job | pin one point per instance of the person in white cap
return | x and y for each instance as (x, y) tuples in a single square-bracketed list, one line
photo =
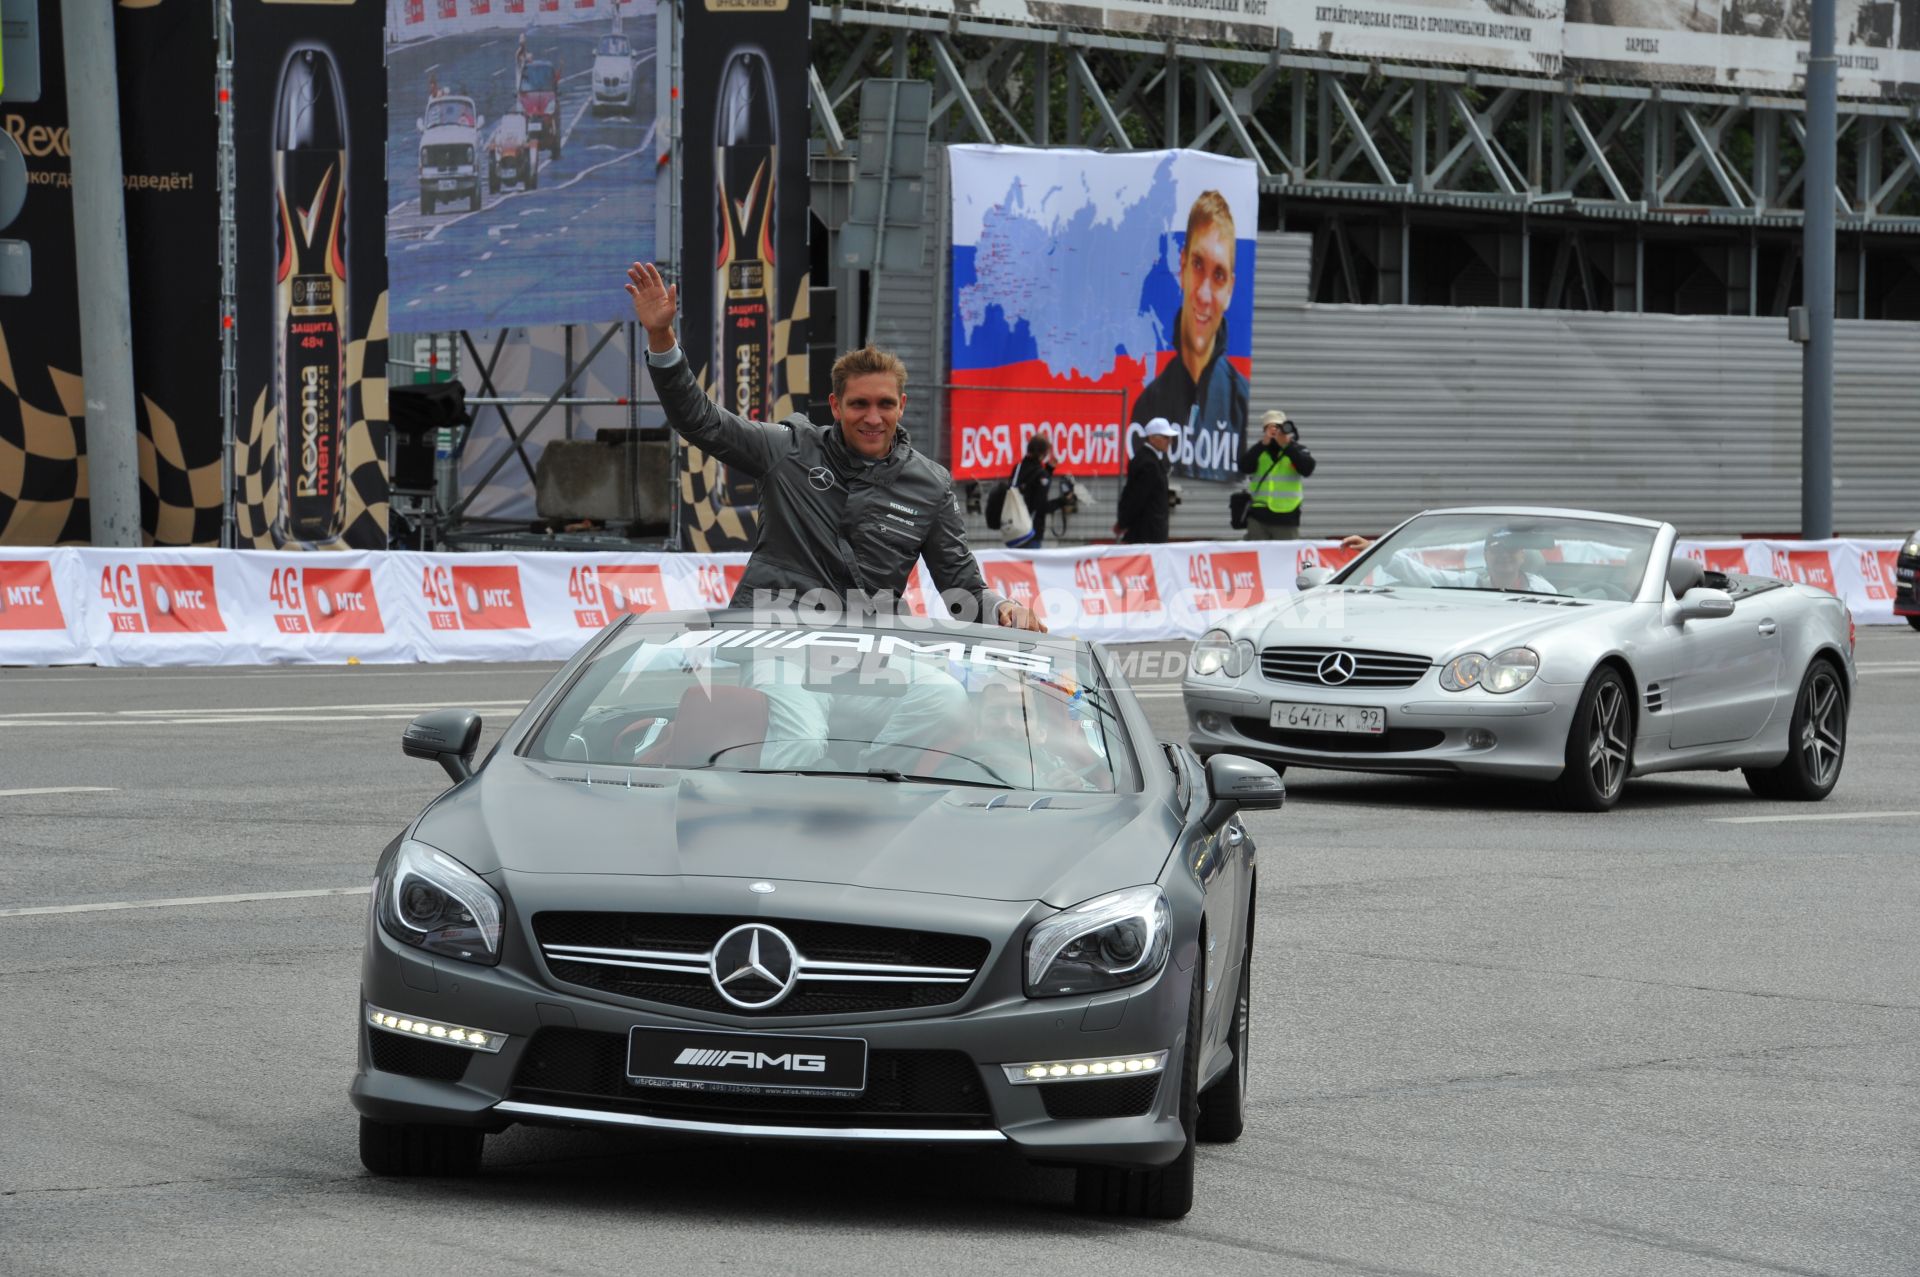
[(1145, 501), (1274, 466)]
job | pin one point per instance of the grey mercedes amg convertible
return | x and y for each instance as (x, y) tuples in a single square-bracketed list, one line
[(888, 881)]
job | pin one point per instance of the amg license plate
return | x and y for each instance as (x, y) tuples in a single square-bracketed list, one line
[(1358, 720), (760, 1063)]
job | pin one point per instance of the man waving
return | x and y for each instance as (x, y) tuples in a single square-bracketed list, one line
[(845, 508)]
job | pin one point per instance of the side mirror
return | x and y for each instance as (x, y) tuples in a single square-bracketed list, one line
[(1236, 784), (479, 121), (448, 736), (1312, 577), (1702, 604), (421, 124)]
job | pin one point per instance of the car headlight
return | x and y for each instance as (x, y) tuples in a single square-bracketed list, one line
[(1216, 653), (433, 902), (1107, 942), (1509, 671), (1911, 550)]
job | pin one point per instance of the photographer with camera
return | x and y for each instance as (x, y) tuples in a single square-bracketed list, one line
[(1034, 479), (1274, 466)]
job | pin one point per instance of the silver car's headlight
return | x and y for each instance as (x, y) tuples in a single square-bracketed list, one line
[(433, 902), (1216, 653), (1109, 941), (1510, 671), (1911, 549)]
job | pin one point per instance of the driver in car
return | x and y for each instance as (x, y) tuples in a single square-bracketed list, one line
[(1506, 569)]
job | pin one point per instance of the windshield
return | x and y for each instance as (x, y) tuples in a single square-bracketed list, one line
[(613, 46), (449, 111), (906, 705), (1530, 554), (537, 78)]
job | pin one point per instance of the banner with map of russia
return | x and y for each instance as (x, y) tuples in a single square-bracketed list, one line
[(1092, 292)]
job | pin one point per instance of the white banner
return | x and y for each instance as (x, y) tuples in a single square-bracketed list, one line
[(73, 606)]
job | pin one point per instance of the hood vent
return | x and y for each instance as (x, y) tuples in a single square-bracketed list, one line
[(1656, 698), (1545, 602), (615, 779)]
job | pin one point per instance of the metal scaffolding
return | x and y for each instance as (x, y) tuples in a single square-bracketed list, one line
[(1320, 126)]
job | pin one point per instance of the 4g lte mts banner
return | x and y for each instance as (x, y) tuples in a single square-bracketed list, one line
[(165, 55), (743, 265)]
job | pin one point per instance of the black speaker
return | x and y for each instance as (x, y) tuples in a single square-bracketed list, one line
[(418, 414)]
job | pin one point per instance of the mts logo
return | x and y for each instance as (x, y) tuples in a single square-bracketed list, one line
[(1805, 567), (717, 582), (609, 590), (1117, 583), (27, 598), (312, 600), (173, 598), (1724, 559), (474, 598), (1016, 581), (1225, 582), (1877, 570), (1331, 557)]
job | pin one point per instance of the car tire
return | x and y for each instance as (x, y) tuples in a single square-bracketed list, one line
[(493, 176), (1816, 741), (531, 180), (426, 204), (1159, 1192), (1914, 621), (1223, 1106), (1599, 745), (413, 1149)]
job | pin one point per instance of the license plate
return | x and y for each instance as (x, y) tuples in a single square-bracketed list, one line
[(1357, 720), (753, 1063), (449, 186)]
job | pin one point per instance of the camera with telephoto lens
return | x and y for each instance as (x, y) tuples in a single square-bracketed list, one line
[(1173, 497)]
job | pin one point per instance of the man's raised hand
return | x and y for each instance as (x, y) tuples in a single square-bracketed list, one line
[(655, 302)]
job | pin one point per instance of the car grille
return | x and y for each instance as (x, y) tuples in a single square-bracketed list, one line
[(1395, 740), (403, 1053), (446, 155), (844, 969), (904, 1088), (1370, 669), (1109, 1097)]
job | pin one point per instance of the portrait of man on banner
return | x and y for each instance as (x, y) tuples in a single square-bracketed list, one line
[(1198, 388)]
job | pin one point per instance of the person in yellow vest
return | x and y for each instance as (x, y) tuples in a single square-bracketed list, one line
[(1274, 466)]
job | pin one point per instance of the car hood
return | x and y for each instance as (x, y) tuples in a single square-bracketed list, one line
[(536, 101), (1434, 623), (609, 63), (442, 134), (543, 818)]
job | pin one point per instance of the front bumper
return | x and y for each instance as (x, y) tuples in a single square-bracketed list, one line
[(1906, 586), (1428, 730), (604, 94), (994, 1024)]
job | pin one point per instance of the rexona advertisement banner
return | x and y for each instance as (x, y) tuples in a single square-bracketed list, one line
[(743, 236), (1093, 292), (1735, 43), (311, 305), (212, 607), (165, 55), (520, 159)]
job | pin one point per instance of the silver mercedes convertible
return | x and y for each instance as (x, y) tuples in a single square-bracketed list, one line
[(1547, 645)]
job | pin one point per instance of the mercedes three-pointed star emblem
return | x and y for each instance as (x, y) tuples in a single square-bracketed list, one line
[(748, 960), (1336, 668)]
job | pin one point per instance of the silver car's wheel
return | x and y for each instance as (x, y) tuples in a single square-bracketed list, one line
[(1599, 746), (1817, 741)]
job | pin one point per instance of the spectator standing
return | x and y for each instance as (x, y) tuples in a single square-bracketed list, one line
[(1146, 500), (1275, 466), (1033, 479)]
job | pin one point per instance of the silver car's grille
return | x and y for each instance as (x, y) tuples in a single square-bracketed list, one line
[(1342, 667), (838, 969)]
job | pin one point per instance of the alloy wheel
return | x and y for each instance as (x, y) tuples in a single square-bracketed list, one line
[(1607, 739), (1823, 737)]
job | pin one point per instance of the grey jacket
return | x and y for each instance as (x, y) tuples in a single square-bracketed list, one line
[(830, 519)]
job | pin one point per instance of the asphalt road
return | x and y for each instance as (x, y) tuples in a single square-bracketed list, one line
[(526, 256), (1491, 1038)]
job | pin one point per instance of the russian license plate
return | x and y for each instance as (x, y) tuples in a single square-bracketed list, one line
[(448, 185), (752, 1063), (1358, 720)]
